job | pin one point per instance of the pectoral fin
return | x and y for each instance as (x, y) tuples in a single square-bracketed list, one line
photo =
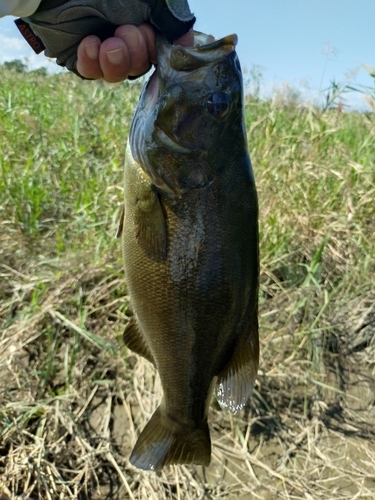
[(149, 222), (134, 340), (236, 381)]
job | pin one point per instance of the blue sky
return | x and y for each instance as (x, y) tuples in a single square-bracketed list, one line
[(287, 40)]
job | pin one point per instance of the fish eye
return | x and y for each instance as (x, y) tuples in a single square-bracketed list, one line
[(218, 104)]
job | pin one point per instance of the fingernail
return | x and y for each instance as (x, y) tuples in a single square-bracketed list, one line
[(92, 50), (115, 56), (131, 41)]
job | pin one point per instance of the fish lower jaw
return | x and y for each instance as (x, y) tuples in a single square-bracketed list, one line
[(161, 138)]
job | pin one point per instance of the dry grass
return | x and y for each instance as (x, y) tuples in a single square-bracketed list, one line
[(73, 400)]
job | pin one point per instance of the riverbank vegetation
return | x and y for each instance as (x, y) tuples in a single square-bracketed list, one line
[(73, 399)]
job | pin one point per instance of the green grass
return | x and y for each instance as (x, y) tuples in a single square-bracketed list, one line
[(63, 301)]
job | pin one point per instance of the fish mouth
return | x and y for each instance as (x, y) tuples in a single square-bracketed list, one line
[(206, 50), (174, 63), (208, 43), (174, 60), (164, 140), (153, 92)]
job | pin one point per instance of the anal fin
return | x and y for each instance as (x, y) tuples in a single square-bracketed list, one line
[(236, 381), (134, 340)]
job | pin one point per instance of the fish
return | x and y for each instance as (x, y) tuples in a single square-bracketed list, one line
[(190, 246)]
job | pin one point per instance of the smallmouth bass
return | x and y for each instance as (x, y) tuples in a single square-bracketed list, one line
[(190, 246)]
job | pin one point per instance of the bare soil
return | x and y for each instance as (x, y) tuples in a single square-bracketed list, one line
[(331, 454)]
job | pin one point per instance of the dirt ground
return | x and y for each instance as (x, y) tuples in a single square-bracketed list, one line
[(331, 454), (71, 411)]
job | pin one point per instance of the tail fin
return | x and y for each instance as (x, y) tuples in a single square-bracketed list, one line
[(165, 442)]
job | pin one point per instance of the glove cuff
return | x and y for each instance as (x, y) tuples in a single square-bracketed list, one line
[(169, 26), (165, 19), (50, 4)]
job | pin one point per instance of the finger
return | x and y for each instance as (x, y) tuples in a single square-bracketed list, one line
[(114, 60), (88, 58), (149, 36), (137, 48), (186, 40)]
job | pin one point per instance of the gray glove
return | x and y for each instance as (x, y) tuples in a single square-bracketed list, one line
[(62, 24)]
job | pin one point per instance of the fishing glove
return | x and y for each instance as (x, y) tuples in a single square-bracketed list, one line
[(62, 24)]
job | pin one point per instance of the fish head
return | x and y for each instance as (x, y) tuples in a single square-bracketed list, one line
[(189, 121)]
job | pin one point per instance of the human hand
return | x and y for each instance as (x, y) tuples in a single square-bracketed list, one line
[(128, 53), (110, 38)]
